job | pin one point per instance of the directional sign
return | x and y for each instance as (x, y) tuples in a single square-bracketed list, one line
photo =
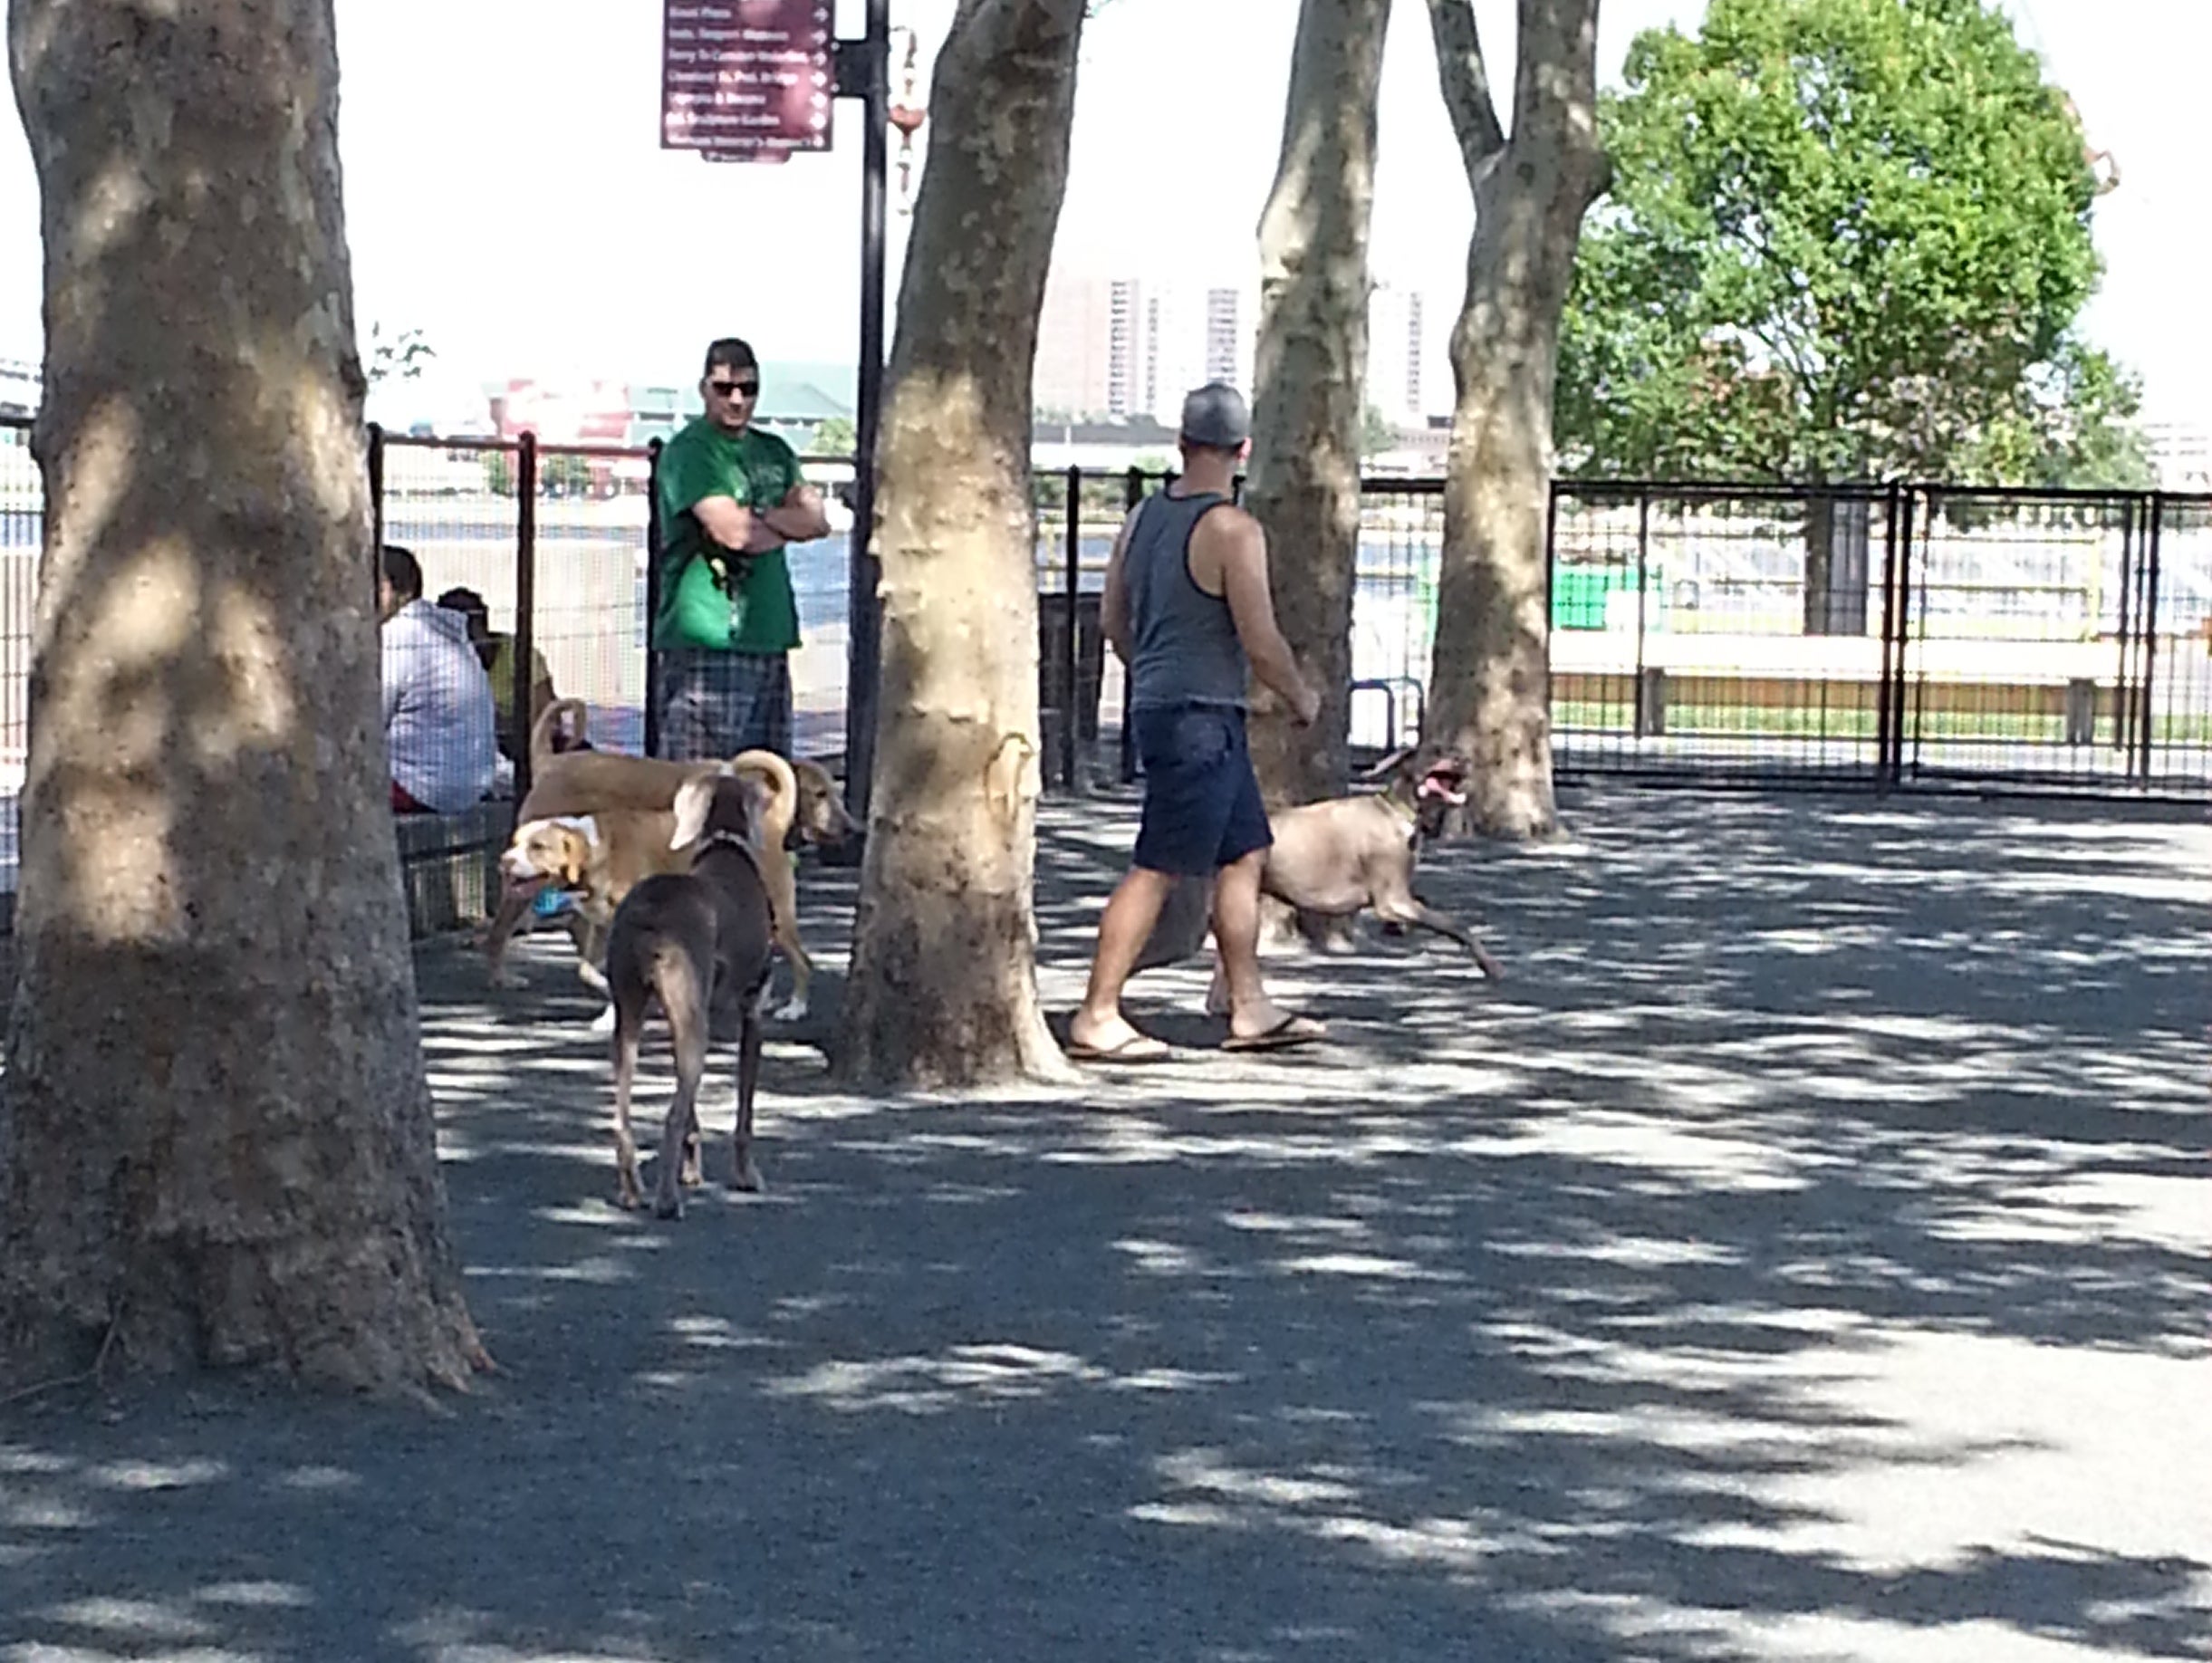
[(746, 79)]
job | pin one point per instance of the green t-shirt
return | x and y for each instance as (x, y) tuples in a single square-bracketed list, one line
[(755, 470)]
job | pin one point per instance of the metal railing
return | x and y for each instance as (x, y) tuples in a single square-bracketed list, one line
[(1886, 636), (1893, 636)]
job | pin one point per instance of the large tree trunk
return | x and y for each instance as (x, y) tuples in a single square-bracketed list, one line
[(1311, 367), (943, 990), (1489, 693), (216, 1138)]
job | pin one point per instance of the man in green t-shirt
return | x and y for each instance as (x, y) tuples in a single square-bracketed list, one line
[(730, 498)]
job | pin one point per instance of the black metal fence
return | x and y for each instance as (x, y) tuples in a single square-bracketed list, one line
[(1885, 637), (1891, 636)]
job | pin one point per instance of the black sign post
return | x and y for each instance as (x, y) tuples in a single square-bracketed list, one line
[(751, 81), (863, 71)]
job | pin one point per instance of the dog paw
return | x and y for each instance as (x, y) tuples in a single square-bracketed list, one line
[(669, 1205), (746, 1177), (503, 978), (793, 1009), (602, 1024)]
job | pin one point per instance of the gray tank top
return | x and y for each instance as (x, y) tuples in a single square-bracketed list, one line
[(1183, 645)]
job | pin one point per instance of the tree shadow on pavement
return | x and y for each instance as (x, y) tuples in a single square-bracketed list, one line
[(1802, 1253)]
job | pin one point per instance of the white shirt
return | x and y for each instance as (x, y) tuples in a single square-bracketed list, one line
[(438, 709)]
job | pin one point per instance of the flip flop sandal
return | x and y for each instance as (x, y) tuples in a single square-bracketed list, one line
[(1139, 1048), (1291, 1032)]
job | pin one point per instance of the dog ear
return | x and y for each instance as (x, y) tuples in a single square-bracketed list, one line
[(575, 854), (694, 799)]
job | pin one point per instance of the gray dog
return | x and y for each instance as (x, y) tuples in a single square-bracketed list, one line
[(694, 940)]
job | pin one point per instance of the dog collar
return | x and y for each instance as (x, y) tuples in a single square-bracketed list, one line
[(734, 839)]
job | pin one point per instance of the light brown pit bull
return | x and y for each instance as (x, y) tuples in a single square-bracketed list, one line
[(1335, 859)]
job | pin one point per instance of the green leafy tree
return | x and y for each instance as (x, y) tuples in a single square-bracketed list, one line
[(836, 436), (564, 473), (1846, 238), (396, 357), (1376, 433)]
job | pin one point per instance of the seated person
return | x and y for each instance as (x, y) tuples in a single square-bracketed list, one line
[(497, 653), (438, 703)]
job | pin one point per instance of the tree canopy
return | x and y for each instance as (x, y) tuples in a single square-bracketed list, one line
[(1845, 239)]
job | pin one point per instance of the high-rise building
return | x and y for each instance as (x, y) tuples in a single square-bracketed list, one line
[(1129, 346), (1227, 356), (1074, 333), (1125, 346)]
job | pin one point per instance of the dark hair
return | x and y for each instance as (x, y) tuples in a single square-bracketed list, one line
[(403, 572), (730, 353), (464, 600)]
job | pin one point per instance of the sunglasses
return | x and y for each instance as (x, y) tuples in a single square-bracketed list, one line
[(736, 390)]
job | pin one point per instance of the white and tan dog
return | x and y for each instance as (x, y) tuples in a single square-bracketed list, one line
[(579, 817)]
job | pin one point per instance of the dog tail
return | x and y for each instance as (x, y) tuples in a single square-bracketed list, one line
[(547, 733), (784, 793)]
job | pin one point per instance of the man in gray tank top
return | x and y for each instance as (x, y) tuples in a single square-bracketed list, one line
[(1187, 607)]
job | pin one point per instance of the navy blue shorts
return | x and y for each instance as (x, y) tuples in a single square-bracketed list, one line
[(1202, 807)]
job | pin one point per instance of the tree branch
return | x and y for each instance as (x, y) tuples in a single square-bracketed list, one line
[(1466, 83)]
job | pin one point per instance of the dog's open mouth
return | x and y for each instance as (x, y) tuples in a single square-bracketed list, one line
[(523, 886)]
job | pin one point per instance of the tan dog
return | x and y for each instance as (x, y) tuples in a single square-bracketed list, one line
[(803, 806), (1336, 858), (597, 860)]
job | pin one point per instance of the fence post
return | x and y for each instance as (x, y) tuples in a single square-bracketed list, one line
[(1915, 503), (2150, 633), (1643, 560), (1132, 493), (375, 516), (652, 595), (525, 602), (2123, 708), (1069, 642), (1887, 712)]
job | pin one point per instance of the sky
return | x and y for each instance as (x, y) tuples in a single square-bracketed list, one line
[(505, 194)]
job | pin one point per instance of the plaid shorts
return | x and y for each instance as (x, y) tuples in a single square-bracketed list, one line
[(716, 704)]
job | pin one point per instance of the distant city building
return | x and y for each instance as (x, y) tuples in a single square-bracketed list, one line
[(19, 387), (2182, 454), (1128, 347), (795, 403)]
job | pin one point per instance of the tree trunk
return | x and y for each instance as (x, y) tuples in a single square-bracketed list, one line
[(1311, 365), (1489, 694), (216, 1138), (943, 990)]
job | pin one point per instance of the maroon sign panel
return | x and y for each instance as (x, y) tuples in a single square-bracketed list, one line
[(746, 79)]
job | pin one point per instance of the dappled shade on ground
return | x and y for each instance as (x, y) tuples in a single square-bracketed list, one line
[(1803, 1253)]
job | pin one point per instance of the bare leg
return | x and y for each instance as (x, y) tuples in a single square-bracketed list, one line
[(1236, 934), (1123, 928)]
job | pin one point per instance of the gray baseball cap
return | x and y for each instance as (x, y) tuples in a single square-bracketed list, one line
[(1215, 415)]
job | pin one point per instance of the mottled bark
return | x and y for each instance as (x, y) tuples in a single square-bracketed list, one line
[(1489, 694), (1304, 485), (216, 1138), (943, 990)]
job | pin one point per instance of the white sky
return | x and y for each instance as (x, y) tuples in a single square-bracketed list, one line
[(506, 194)]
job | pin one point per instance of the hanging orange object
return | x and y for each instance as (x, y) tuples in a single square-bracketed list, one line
[(908, 115)]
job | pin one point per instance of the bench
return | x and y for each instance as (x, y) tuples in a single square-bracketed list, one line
[(449, 865), (2078, 706)]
